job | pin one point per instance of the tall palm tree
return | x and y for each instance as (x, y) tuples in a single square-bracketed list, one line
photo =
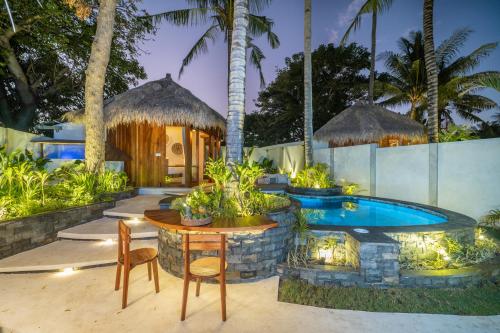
[(94, 87), (220, 16), (308, 107), (431, 70), (406, 80), (237, 73), (374, 7)]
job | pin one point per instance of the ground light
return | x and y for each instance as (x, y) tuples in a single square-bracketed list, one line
[(66, 272)]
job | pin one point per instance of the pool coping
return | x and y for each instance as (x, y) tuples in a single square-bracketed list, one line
[(455, 221)]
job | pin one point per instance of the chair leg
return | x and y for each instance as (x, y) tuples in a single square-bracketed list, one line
[(198, 283), (222, 282), (126, 273), (155, 275), (185, 295), (118, 275), (149, 270)]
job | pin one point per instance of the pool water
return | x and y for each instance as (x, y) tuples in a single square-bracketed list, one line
[(353, 211)]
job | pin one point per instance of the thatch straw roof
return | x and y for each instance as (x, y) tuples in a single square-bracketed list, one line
[(363, 123), (161, 102)]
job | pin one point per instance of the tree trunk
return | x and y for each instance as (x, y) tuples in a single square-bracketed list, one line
[(413, 111), (431, 68), (28, 98), (236, 112), (373, 54), (95, 131), (308, 107)]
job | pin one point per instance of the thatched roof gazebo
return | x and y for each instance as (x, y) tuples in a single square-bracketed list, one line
[(164, 128), (363, 123)]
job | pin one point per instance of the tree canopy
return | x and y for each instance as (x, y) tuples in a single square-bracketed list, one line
[(339, 77), (458, 84), (43, 62)]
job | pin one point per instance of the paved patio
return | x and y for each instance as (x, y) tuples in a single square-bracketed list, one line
[(85, 301)]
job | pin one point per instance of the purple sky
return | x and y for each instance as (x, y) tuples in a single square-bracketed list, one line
[(206, 76)]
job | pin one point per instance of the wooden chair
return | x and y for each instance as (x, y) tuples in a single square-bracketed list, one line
[(130, 259), (206, 267)]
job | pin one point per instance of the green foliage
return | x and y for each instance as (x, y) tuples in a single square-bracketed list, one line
[(247, 199), (316, 176), (482, 300), (450, 253), (26, 188), (406, 82), (492, 218), (350, 189), (219, 15), (338, 79), (52, 46), (267, 165), (457, 133)]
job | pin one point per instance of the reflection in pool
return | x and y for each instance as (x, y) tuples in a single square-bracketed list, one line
[(354, 211)]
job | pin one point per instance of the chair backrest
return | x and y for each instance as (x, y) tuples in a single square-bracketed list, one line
[(204, 242), (123, 242)]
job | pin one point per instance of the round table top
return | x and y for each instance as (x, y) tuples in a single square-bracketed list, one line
[(171, 219)]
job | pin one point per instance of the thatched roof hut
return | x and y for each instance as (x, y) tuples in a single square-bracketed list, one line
[(160, 102), (166, 132), (363, 123)]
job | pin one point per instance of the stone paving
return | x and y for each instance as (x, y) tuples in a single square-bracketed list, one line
[(85, 301)]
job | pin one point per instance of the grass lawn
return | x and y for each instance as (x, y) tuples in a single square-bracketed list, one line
[(483, 300)]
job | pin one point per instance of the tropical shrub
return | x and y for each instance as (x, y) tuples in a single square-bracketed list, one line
[(316, 176), (27, 188), (247, 198), (457, 133), (492, 218), (450, 253)]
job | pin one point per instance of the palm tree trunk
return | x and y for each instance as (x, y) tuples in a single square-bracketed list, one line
[(371, 84), (94, 87), (237, 73), (308, 107), (431, 68)]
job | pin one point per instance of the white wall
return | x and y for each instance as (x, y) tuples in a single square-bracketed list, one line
[(403, 173), (18, 140), (468, 173), (469, 176), (352, 165)]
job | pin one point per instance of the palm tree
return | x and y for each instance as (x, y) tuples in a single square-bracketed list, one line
[(94, 87), (308, 107), (374, 7), (431, 70), (219, 14), (237, 66), (406, 80)]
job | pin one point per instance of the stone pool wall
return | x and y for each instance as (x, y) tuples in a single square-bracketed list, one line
[(250, 255), (421, 245)]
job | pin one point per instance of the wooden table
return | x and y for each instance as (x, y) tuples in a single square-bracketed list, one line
[(171, 219)]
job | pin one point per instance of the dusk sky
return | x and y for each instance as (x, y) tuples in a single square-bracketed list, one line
[(206, 76)]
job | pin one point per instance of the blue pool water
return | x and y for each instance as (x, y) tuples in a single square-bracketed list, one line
[(353, 211)]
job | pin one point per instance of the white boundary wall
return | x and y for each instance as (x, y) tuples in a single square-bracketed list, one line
[(460, 176)]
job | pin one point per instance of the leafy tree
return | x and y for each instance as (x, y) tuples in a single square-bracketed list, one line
[(338, 80), (373, 7), (219, 14), (42, 63), (406, 80)]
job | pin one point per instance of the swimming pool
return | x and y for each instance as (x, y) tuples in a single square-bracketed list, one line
[(357, 211)]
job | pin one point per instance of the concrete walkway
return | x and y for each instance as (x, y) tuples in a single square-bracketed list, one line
[(85, 301), (106, 228), (134, 207)]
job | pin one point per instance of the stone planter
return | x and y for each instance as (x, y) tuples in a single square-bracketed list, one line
[(250, 255), (25, 233), (336, 190)]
